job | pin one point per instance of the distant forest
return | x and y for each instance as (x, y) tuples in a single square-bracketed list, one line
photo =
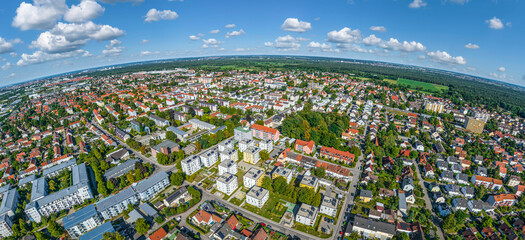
[(462, 88)]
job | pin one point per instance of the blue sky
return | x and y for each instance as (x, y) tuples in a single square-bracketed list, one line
[(44, 37)]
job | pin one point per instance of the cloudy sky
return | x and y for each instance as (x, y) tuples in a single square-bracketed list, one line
[(44, 37)]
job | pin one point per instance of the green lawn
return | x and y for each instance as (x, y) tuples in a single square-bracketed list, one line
[(417, 85), (272, 209)]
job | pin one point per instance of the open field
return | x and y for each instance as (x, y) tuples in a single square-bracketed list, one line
[(417, 85)]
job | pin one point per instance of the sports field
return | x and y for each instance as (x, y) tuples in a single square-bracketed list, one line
[(417, 85)]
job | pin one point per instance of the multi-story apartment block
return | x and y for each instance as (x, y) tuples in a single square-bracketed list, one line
[(257, 196), (114, 205), (148, 188), (266, 145), (6, 226), (370, 228), (242, 133), (474, 125), (191, 165), (226, 144), (309, 182), (251, 155), (229, 155), (209, 158), (328, 206), (39, 189), (82, 221), (228, 167), (57, 169), (245, 144), (306, 214), (166, 147), (63, 199), (282, 172), (263, 132), (253, 177), (227, 183)]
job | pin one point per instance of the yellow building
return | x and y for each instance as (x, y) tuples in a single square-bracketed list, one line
[(474, 125), (309, 182), (251, 155)]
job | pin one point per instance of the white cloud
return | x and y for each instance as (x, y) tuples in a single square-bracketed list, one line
[(211, 42), (155, 15), (86, 10), (146, 53), (215, 31), (41, 56), (502, 69), (495, 23), (499, 76), (353, 47), (13, 54), (345, 35), (285, 43), (235, 33), (7, 46), (144, 41), (378, 28), (294, 25), (11, 75), (194, 38), (200, 34), (71, 36), (322, 46), (7, 65), (113, 49), (459, 1), (243, 49), (445, 58), (230, 25), (417, 4), (394, 44), (371, 40), (115, 1), (42, 14), (472, 46)]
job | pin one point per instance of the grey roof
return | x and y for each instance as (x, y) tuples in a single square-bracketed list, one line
[(307, 211), (166, 143), (366, 193), (459, 202), (218, 129), (117, 154), (26, 180), (9, 201), (202, 124), (150, 182), (79, 174), (227, 178), (147, 209), (309, 181), (79, 216), (281, 171), (120, 169), (112, 200), (97, 233), (173, 196), (257, 192), (38, 189), (253, 173), (176, 131), (5, 188), (329, 202), (59, 167), (60, 194), (402, 201), (134, 215), (374, 225)]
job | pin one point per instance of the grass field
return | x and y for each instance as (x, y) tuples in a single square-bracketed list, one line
[(417, 85)]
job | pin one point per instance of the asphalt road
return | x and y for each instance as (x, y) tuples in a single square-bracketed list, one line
[(428, 205)]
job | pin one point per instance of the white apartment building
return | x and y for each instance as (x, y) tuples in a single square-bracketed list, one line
[(244, 144), (209, 158), (227, 183), (63, 199), (229, 154), (114, 205), (228, 167), (266, 145), (6, 226), (82, 221), (282, 172), (148, 188), (328, 206), (257, 196), (225, 145), (306, 214), (191, 165), (253, 177)]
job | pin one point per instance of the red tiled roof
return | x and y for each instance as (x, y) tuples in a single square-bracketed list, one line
[(264, 129)]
